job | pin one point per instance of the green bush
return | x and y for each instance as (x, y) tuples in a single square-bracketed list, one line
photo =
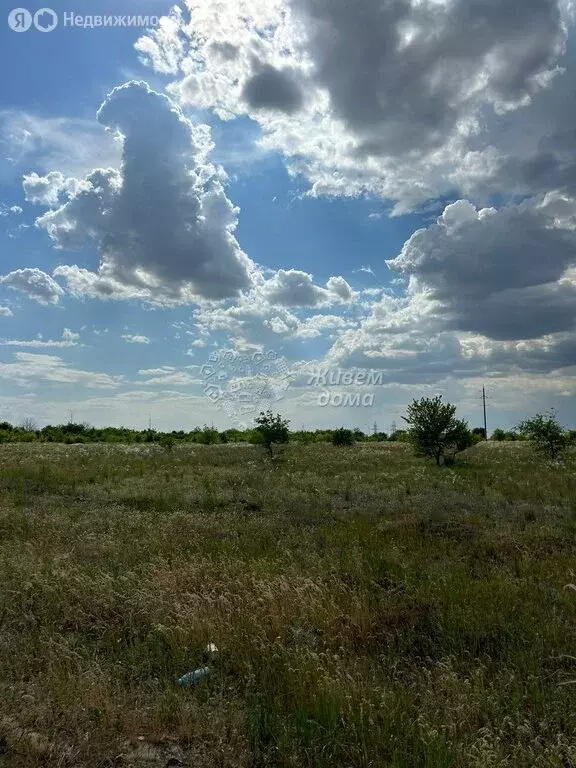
[(342, 437), (274, 430), (546, 434), (435, 431)]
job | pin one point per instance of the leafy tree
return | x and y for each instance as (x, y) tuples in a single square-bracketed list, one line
[(499, 435), (273, 430), (546, 434), (434, 429), (480, 432), (209, 436), (343, 437)]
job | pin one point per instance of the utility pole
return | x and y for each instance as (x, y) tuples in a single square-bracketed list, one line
[(375, 428), (484, 404), (149, 423)]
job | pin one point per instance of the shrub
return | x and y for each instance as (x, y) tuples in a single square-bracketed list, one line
[(399, 436), (435, 431), (209, 436), (167, 442), (546, 434), (273, 430), (343, 437)]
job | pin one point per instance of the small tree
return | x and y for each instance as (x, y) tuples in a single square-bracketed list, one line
[(167, 442), (273, 430), (546, 434), (434, 429), (343, 437)]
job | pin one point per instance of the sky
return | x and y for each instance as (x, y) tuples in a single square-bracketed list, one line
[(322, 207)]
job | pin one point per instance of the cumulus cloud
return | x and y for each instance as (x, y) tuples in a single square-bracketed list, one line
[(504, 274), (162, 223), (294, 288), (397, 93), (6, 312), (46, 190), (405, 75), (489, 293), (37, 285)]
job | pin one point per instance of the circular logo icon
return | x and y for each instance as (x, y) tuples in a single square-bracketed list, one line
[(45, 20), (242, 384), (20, 20)]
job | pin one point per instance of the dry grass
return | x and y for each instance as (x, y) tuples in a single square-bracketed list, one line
[(370, 609)]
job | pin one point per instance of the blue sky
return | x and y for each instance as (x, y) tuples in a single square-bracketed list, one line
[(395, 204)]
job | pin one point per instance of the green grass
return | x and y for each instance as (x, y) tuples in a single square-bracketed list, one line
[(370, 609)]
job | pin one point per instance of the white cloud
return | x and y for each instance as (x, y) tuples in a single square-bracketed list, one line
[(47, 190), (175, 379), (129, 339), (6, 312), (157, 371), (163, 224), (386, 99), (294, 288), (68, 145), (504, 274), (10, 210), (69, 335), (37, 285), (69, 339), (31, 367)]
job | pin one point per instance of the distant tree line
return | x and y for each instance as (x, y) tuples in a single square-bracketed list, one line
[(84, 433), (432, 428)]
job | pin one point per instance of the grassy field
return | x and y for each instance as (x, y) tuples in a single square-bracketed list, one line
[(370, 609)]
